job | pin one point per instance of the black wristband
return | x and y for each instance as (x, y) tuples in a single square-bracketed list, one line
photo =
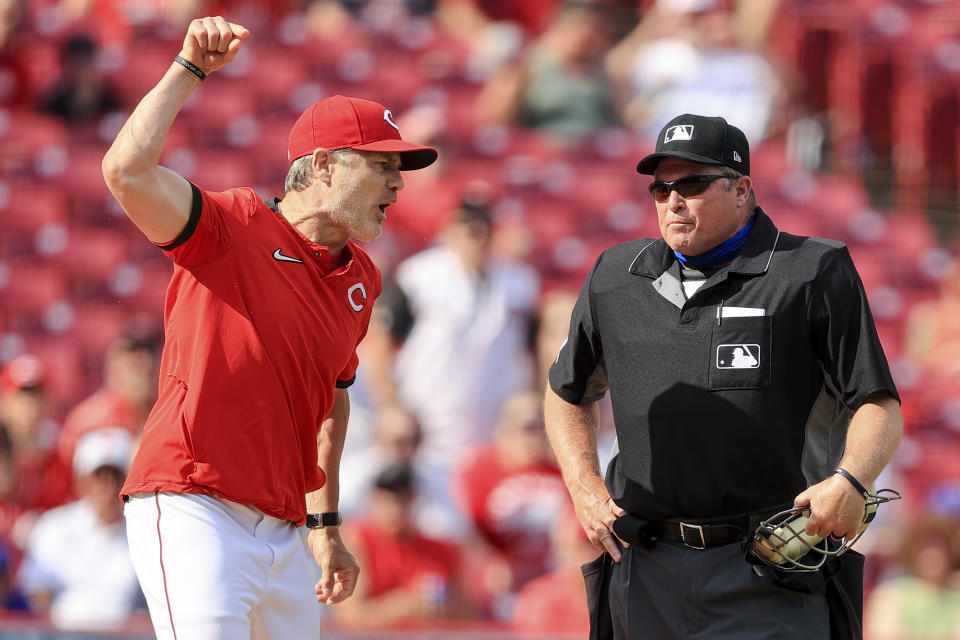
[(192, 68), (321, 520), (856, 483)]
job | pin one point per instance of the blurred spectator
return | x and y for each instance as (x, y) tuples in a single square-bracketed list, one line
[(933, 330), (923, 602), (559, 86), (554, 603), (465, 351), (406, 576), (120, 21), (551, 329), (77, 566), (129, 388), (943, 500), (472, 16), (512, 491), (493, 31), (397, 438), (11, 599), (371, 10), (354, 20), (15, 89), (552, 326), (32, 477), (688, 55), (80, 94)]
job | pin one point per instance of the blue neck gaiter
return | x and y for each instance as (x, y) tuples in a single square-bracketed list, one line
[(722, 253)]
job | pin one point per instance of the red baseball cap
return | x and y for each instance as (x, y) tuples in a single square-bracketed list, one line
[(339, 122), (23, 372)]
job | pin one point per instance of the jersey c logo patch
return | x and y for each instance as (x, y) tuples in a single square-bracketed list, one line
[(738, 356), (277, 255), (350, 298)]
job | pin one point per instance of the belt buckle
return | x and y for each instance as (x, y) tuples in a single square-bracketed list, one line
[(694, 527)]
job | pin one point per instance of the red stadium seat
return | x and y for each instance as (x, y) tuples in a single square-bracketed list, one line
[(142, 68), (24, 135), (24, 205), (30, 285), (82, 175), (217, 170), (92, 252), (96, 325), (275, 74)]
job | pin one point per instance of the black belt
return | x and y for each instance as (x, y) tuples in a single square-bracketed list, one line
[(696, 535), (700, 536)]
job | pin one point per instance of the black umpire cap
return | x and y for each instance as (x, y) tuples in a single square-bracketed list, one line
[(709, 140)]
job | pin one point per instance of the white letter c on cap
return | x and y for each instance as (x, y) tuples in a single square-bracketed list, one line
[(389, 118), (363, 293)]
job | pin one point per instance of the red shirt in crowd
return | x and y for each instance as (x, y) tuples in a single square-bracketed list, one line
[(514, 509), (412, 562)]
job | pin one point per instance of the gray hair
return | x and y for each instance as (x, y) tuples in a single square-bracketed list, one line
[(300, 174)]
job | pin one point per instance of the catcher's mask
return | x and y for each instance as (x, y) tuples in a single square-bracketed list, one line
[(780, 540)]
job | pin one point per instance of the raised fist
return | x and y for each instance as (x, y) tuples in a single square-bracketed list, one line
[(212, 42)]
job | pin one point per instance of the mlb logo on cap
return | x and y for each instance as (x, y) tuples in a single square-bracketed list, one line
[(679, 132), (701, 139)]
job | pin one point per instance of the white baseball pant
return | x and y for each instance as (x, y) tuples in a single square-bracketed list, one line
[(212, 569)]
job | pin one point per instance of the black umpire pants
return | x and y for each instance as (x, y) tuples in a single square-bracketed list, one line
[(673, 592)]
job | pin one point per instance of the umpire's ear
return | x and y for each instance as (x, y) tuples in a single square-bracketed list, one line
[(744, 187)]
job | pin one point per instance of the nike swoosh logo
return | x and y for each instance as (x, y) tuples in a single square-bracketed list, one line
[(282, 258)]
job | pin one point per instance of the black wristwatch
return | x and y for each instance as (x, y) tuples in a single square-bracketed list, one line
[(321, 520)]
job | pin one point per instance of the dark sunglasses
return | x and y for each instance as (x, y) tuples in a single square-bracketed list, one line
[(686, 186)]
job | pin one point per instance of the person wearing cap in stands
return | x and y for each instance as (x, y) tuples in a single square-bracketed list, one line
[(32, 477), (265, 309), (77, 568), (709, 443)]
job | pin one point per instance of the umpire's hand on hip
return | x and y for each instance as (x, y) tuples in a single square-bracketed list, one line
[(212, 42), (597, 511), (340, 568)]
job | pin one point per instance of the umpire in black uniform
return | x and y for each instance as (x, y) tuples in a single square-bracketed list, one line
[(744, 370)]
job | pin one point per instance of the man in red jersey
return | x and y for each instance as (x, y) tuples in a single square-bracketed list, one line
[(265, 308)]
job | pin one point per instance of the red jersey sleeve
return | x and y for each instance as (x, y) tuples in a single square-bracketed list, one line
[(215, 219), (349, 373)]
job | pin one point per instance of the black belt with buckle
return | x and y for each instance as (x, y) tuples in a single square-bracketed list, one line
[(696, 535), (700, 536)]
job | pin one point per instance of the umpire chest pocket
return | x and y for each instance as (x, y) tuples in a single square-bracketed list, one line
[(740, 355)]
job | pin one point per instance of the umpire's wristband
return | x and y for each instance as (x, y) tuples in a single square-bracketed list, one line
[(856, 483), (322, 520)]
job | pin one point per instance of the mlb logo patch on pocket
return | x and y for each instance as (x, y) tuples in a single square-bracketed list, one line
[(738, 356)]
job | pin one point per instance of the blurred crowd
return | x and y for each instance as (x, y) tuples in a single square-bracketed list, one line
[(452, 500)]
